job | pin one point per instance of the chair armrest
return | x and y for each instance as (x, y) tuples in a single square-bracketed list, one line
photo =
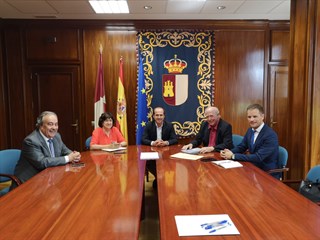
[(278, 170), (12, 177)]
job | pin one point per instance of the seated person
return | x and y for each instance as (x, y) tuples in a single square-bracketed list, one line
[(106, 134), (215, 134), (260, 144), (158, 133), (43, 148)]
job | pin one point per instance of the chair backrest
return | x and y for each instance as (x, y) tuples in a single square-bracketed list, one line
[(283, 157), (88, 142), (236, 139), (314, 174), (8, 162)]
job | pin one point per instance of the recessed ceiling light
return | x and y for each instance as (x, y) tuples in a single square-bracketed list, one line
[(109, 6), (221, 7), (147, 7)]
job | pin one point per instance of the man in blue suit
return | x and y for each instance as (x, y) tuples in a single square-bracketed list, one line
[(260, 141), (43, 148), (158, 133)]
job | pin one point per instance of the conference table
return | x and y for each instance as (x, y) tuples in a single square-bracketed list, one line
[(105, 198), (260, 206), (101, 200)]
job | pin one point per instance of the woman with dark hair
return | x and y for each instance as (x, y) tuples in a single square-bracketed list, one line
[(106, 135)]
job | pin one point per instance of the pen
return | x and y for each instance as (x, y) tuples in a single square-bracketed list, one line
[(214, 224), (217, 228)]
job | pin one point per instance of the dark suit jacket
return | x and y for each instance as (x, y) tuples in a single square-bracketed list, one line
[(223, 137), (35, 155), (150, 133), (264, 153)]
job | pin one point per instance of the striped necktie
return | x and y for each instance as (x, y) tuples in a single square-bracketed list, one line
[(51, 147)]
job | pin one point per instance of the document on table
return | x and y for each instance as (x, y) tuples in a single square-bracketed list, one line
[(113, 149), (192, 151), (149, 155), (203, 225), (186, 156), (227, 163)]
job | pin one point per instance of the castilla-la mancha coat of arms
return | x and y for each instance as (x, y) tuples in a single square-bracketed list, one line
[(175, 84)]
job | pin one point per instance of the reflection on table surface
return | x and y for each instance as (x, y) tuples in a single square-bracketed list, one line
[(260, 206), (101, 200)]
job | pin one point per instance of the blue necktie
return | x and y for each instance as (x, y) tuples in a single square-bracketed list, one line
[(252, 137), (51, 147)]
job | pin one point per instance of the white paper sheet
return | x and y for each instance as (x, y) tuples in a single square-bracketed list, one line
[(149, 155), (228, 163), (195, 225)]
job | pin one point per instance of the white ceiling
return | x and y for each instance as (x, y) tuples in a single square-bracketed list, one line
[(161, 9)]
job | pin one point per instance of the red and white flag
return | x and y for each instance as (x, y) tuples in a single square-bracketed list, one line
[(122, 105), (99, 96)]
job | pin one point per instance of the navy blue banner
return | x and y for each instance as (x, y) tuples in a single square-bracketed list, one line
[(179, 75)]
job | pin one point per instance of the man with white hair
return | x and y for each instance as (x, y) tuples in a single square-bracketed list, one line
[(215, 134)]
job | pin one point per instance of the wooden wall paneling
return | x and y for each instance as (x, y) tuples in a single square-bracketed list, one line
[(280, 46), (300, 77), (315, 140), (279, 102), (240, 62), (278, 88), (3, 99), (115, 45), (47, 84), (52, 44), (17, 110), (239, 74)]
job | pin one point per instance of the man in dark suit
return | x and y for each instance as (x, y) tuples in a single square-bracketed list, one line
[(43, 148), (158, 133), (260, 141), (215, 134)]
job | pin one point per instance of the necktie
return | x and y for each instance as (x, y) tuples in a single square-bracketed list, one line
[(51, 147), (252, 137)]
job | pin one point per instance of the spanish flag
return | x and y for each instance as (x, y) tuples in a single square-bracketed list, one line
[(122, 105)]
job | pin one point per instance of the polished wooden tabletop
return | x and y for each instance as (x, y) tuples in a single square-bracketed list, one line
[(100, 201), (260, 206)]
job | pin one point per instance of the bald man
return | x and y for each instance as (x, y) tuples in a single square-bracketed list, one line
[(215, 134)]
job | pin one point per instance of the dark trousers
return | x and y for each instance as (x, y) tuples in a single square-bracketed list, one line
[(152, 167)]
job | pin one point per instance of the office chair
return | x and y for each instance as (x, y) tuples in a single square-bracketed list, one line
[(8, 162), (88, 142), (310, 188), (236, 139), (282, 163)]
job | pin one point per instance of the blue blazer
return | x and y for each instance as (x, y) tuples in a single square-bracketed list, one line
[(150, 133), (35, 155), (264, 153), (223, 138)]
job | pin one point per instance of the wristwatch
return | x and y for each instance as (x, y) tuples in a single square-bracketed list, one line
[(233, 157)]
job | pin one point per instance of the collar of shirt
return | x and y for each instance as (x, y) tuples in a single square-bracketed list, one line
[(159, 126), (258, 130), (44, 137), (214, 127)]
